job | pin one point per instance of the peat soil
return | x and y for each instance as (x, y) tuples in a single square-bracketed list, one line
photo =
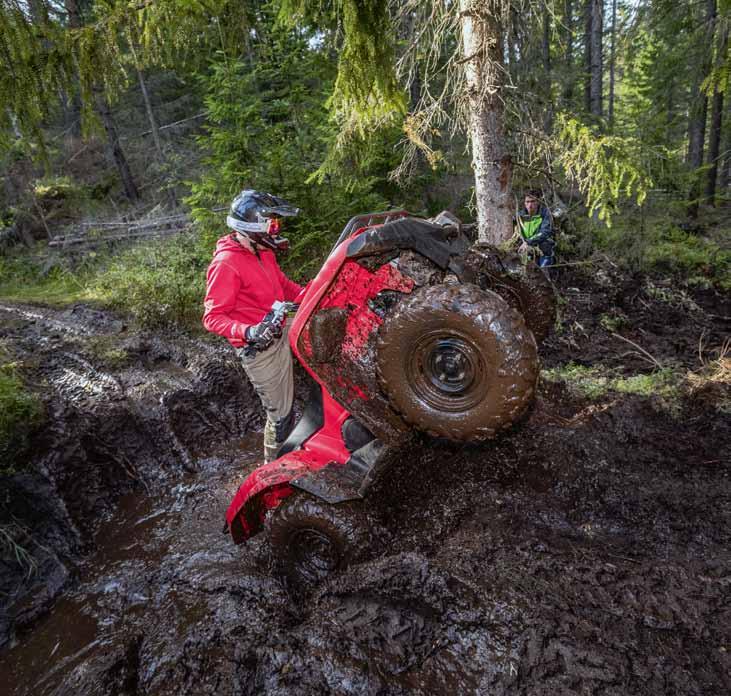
[(586, 551)]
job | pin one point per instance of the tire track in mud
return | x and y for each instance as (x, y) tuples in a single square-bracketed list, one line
[(110, 430), (585, 551)]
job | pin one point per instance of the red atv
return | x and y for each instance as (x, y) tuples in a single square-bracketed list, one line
[(405, 328)]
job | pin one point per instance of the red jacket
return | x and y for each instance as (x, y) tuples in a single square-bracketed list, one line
[(241, 288)]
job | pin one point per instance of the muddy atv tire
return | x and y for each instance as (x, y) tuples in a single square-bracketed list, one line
[(522, 285), (312, 539), (457, 362)]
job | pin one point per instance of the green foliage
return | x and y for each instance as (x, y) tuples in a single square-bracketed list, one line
[(57, 199), (161, 284), (42, 57), (658, 62), (613, 321), (20, 413), (57, 188), (33, 64), (585, 382), (699, 260), (650, 241), (23, 279), (269, 129), (605, 167), (365, 93), (665, 385)]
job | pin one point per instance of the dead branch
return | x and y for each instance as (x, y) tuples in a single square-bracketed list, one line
[(654, 360)]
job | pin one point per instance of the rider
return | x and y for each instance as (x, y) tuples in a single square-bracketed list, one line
[(242, 283), (536, 228)]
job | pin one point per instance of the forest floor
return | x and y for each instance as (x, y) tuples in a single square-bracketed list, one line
[(588, 550)]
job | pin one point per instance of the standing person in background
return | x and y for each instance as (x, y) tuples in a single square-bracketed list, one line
[(242, 283), (536, 228)]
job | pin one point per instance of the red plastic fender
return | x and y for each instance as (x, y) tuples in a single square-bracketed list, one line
[(266, 486), (262, 490)]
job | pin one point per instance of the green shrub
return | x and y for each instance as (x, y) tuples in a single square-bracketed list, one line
[(651, 242), (23, 279), (57, 188), (20, 414), (161, 283), (613, 320), (696, 258)]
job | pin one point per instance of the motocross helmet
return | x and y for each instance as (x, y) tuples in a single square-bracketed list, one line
[(259, 216)]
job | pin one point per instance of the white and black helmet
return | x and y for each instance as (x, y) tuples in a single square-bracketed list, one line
[(251, 213)]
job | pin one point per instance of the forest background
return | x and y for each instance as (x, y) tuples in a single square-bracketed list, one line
[(135, 110)]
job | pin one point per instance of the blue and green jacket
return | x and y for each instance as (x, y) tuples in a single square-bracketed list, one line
[(537, 229)]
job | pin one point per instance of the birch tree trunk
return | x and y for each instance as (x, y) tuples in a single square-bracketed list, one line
[(146, 99), (150, 115), (484, 72), (14, 123)]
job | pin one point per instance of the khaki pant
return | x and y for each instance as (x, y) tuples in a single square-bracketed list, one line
[(270, 373)]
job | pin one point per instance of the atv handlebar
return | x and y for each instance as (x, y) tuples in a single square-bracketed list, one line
[(281, 309)]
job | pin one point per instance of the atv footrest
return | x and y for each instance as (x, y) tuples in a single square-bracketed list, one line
[(337, 483)]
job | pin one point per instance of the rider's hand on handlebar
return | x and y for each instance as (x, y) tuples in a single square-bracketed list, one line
[(263, 334)]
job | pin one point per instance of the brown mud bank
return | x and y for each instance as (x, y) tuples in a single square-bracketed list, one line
[(584, 551), (123, 413)]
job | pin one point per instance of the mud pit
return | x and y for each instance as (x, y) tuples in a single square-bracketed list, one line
[(586, 551)]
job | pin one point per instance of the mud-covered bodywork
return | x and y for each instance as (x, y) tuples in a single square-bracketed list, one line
[(335, 336)]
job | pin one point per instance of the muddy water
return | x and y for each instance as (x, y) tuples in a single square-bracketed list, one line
[(148, 554)]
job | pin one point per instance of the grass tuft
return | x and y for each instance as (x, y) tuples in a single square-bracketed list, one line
[(21, 412)]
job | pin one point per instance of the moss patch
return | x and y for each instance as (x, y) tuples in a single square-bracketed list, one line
[(665, 385)]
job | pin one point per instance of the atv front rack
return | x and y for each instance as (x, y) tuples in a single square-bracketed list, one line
[(368, 220)]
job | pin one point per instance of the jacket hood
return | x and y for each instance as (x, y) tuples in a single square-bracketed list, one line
[(228, 244)]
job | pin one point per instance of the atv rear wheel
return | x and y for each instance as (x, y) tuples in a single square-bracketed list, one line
[(312, 539), (524, 286), (457, 362)]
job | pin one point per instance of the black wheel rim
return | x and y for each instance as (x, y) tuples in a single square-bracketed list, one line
[(450, 367), (314, 555), (447, 371)]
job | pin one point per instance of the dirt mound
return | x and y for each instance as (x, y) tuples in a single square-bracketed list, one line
[(610, 318)]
